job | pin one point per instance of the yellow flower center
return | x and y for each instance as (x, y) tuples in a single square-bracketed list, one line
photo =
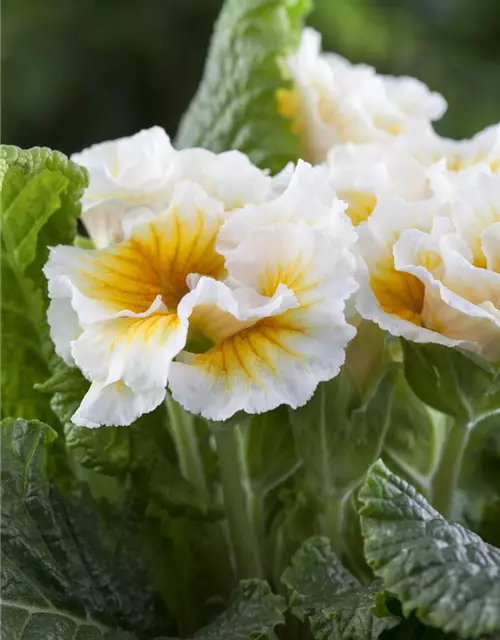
[(156, 260), (398, 293), (361, 204)]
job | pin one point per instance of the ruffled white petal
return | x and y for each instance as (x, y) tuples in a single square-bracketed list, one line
[(125, 173), (64, 327), (229, 177), (115, 405), (308, 198)]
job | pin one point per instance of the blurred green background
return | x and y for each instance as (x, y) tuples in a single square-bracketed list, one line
[(80, 71)]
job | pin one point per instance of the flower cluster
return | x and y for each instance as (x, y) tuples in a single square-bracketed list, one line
[(229, 287), (426, 209), (210, 277)]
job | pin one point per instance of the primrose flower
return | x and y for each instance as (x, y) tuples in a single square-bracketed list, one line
[(300, 242), (430, 272), (142, 171), (335, 101), (249, 325)]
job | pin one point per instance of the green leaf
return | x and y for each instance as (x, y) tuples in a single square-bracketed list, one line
[(295, 520), (337, 605), (236, 105), (176, 524), (67, 572), (415, 436), (443, 572), (340, 432), (66, 388), (40, 193), (455, 382), (253, 613), (315, 577)]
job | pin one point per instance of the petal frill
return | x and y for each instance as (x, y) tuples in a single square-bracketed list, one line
[(64, 327), (137, 348), (115, 405), (229, 177)]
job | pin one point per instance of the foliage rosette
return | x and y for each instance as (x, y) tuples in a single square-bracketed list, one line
[(253, 399)]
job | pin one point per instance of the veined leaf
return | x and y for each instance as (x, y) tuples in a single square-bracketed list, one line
[(443, 572), (236, 106), (66, 572), (40, 192), (337, 605), (253, 613)]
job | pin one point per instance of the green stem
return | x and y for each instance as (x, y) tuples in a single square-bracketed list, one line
[(183, 430), (445, 480), (241, 529), (333, 520)]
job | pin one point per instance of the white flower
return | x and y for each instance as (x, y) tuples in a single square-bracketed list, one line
[(143, 170), (336, 102), (248, 325), (429, 271), (299, 241)]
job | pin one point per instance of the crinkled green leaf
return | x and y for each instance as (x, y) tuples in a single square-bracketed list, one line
[(236, 106), (340, 432), (176, 524), (349, 616), (253, 613), (40, 193), (443, 572), (315, 577), (337, 605), (66, 570), (456, 382)]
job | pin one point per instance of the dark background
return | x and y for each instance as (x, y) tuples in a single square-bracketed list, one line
[(80, 71)]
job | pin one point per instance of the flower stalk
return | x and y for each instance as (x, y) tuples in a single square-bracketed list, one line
[(446, 478), (241, 528), (183, 431), (333, 520)]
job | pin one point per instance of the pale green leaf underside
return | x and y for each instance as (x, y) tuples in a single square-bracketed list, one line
[(340, 432), (447, 574), (236, 104)]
